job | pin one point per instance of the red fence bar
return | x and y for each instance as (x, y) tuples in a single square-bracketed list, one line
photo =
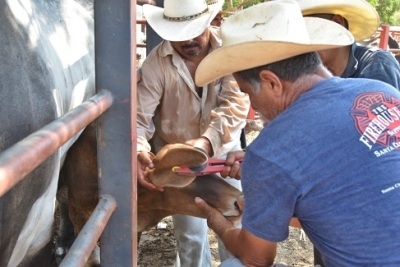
[(141, 22), (384, 38), (23, 157), (252, 114), (85, 242)]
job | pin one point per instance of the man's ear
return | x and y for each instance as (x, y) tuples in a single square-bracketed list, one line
[(340, 20), (271, 82)]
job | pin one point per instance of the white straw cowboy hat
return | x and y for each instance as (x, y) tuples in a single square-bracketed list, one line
[(181, 20), (266, 33), (362, 17)]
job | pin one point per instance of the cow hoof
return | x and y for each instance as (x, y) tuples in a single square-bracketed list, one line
[(60, 254)]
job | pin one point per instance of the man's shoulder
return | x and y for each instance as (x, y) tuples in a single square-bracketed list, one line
[(159, 53), (371, 53)]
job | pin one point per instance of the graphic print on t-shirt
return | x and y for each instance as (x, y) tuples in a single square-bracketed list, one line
[(377, 119)]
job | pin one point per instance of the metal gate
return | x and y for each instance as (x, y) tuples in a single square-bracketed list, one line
[(115, 216)]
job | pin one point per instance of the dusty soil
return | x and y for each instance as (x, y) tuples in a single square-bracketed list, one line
[(157, 246)]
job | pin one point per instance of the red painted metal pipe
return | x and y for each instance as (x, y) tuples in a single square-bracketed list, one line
[(384, 37), (84, 244), (23, 157)]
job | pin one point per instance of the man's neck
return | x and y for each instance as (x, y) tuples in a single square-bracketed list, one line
[(192, 62), (337, 60), (304, 83)]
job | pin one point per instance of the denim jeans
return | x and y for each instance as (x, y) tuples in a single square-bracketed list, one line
[(192, 237), (235, 262), (192, 241)]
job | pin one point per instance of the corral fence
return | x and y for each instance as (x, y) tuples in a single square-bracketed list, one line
[(114, 107), (383, 33)]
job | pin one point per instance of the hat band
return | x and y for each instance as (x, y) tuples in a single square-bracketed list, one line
[(184, 18), (212, 2)]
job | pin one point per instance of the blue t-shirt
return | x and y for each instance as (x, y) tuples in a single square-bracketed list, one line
[(332, 159)]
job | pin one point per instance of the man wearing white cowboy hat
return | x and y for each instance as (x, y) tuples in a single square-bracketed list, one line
[(172, 109), (356, 60), (330, 155)]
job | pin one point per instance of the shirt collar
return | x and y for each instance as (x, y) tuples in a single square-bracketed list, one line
[(352, 63)]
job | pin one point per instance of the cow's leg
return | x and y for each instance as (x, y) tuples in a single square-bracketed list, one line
[(80, 174), (65, 231)]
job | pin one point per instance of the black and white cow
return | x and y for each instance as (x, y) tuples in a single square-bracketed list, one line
[(46, 69)]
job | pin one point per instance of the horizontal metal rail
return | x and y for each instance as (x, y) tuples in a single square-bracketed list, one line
[(23, 157), (141, 22), (84, 244)]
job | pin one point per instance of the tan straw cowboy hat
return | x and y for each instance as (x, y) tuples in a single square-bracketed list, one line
[(181, 20), (266, 33), (362, 17)]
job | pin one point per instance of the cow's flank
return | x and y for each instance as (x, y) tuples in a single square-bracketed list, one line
[(47, 68)]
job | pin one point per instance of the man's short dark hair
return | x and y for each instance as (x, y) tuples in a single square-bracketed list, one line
[(289, 69)]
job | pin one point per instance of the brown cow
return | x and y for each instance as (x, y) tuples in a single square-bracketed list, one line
[(79, 174)]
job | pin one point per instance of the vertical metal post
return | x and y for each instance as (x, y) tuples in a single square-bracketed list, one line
[(115, 50), (152, 38), (384, 38)]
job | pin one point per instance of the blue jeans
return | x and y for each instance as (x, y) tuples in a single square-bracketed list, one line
[(235, 262), (192, 241), (192, 236)]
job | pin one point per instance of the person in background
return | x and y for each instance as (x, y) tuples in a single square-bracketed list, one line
[(172, 109), (355, 60), (330, 155), (218, 19)]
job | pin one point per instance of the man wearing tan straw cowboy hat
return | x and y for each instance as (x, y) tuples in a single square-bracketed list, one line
[(172, 109), (330, 155), (356, 60)]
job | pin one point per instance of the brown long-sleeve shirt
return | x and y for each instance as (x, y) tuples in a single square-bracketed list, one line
[(169, 109)]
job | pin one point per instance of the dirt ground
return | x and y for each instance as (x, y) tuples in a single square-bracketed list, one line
[(157, 246)]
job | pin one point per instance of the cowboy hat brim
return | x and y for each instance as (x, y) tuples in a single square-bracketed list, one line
[(362, 17), (178, 31), (229, 59)]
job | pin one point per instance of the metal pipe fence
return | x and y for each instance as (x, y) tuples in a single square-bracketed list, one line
[(23, 157)]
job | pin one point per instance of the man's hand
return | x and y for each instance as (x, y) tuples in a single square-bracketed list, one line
[(233, 166), (202, 143), (144, 162), (215, 219)]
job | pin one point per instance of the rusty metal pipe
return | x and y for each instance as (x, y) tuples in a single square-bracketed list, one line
[(84, 244), (23, 157), (384, 37)]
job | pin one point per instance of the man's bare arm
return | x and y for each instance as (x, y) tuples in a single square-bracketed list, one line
[(251, 250)]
